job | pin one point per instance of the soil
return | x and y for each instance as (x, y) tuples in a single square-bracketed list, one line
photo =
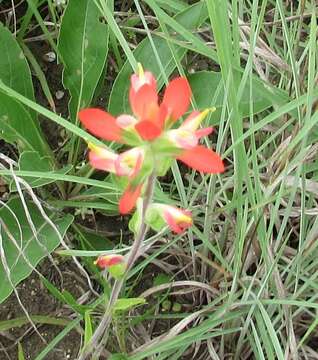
[(38, 301)]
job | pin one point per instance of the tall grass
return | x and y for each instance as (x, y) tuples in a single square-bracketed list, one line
[(246, 274)]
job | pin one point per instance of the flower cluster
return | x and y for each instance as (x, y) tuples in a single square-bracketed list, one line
[(153, 139)]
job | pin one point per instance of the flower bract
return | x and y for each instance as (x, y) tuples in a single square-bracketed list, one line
[(151, 132)]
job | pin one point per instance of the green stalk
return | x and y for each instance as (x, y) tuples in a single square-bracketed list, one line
[(100, 336)]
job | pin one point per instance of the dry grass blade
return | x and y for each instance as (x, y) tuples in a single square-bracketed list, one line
[(195, 285), (175, 330)]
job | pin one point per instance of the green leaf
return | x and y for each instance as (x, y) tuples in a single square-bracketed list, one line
[(205, 83), (40, 75), (172, 5), (31, 160), (65, 297), (20, 352), (191, 18), (18, 125), (127, 304), (6, 325), (118, 357), (161, 279), (135, 220), (90, 240), (154, 219), (31, 247), (71, 301), (88, 328), (83, 50), (117, 271), (14, 69)]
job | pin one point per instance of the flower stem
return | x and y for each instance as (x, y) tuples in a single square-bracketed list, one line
[(100, 336)]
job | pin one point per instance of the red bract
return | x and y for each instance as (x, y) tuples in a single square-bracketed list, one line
[(128, 201), (105, 261), (100, 124), (202, 159), (177, 97), (150, 129), (177, 219), (150, 117)]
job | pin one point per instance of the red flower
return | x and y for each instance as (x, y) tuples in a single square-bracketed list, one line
[(178, 220), (105, 261), (202, 159), (129, 198), (151, 123), (101, 124), (150, 117)]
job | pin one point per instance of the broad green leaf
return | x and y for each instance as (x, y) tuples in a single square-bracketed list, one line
[(31, 160), (83, 45), (191, 18), (14, 69), (205, 83), (31, 247), (18, 127), (127, 304), (18, 124)]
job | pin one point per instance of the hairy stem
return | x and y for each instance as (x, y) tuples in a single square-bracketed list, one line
[(100, 336)]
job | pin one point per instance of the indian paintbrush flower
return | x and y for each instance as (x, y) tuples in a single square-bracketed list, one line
[(105, 261), (115, 264), (178, 220), (155, 143)]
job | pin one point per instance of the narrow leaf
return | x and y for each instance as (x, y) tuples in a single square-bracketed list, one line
[(88, 328)]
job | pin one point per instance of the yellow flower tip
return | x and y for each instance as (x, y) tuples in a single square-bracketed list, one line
[(212, 109), (186, 219), (183, 216), (207, 111), (96, 262), (140, 71), (96, 149), (203, 115), (91, 146)]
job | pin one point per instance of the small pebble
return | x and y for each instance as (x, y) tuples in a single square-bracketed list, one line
[(50, 56), (59, 94)]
